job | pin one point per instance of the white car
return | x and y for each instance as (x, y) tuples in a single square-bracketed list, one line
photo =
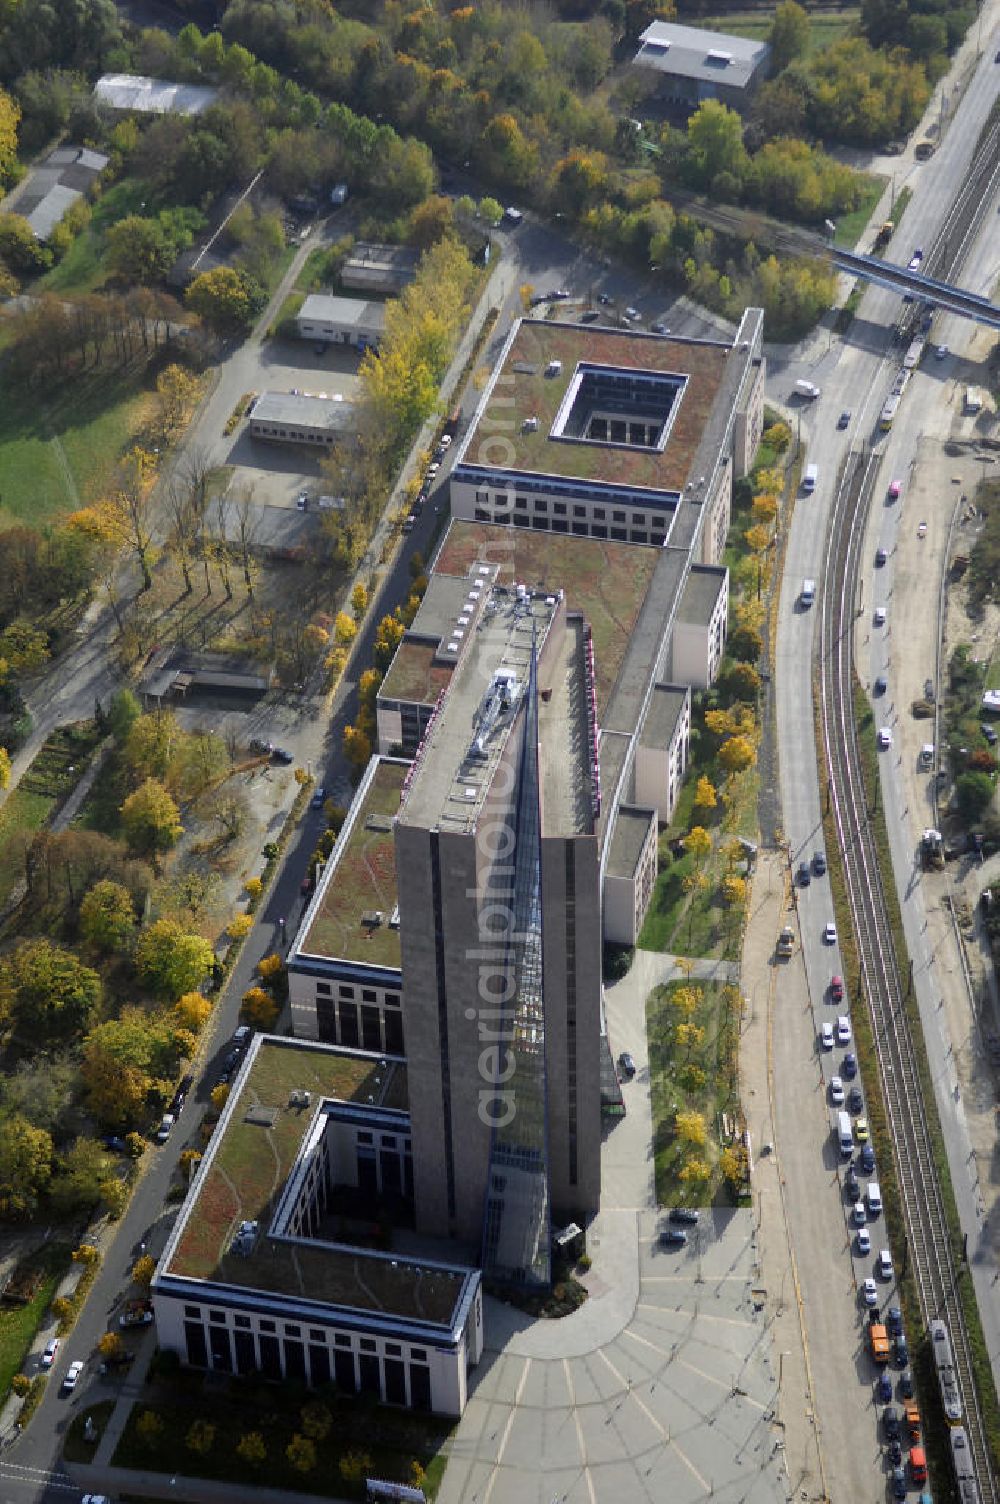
[(444, 442), (843, 1029), (870, 1292), (73, 1373), (826, 1035), (632, 313), (864, 1241), (830, 934), (885, 738), (858, 1214), (883, 1264), (837, 1091), (49, 1355), (878, 616)]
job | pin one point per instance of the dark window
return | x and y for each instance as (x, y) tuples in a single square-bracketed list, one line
[(541, 505), (366, 1138), (295, 1361), (638, 538), (418, 1355), (270, 1357), (371, 1029), (326, 1019), (316, 1335), (243, 1321), (599, 514), (194, 1311), (580, 529), (345, 991), (367, 1345), (619, 534), (559, 508), (268, 1326), (520, 522), (560, 526), (597, 531), (349, 1028), (246, 1355), (369, 996), (369, 1368), (521, 503), (617, 516), (319, 1366), (217, 1316), (324, 989), (420, 1387), (341, 1339), (291, 1330), (221, 1348), (394, 1033), (579, 511), (343, 1371), (392, 1000), (393, 1350), (197, 1351), (395, 1382)]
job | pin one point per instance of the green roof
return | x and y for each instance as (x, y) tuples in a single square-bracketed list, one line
[(244, 1175), (523, 390), (605, 582), (414, 678), (360, 879)]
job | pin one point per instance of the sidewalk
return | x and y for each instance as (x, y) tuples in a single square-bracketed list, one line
[(768, 912)]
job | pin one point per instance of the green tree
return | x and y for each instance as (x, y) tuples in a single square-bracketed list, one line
[(746, 644), (81, 1172), (789, 36), (19, 247), (107, 916), (171, 961), (123, 713), (736, 753), (50, 995), (25, 1165), (151, 820), (974, 793), (139, 249), (124, 1060), (715, 143), (228, 301)]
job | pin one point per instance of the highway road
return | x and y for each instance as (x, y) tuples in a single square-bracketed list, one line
[(854, 375)]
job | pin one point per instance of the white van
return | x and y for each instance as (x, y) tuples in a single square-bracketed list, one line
[(808, 592), (807, 389), (845, 1134), (873, 1196), (926, 755), (810, 478)]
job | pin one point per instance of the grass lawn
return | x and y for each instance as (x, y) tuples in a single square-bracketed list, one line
[(82, 269), (18, 1324), (58, 447), (701, 1079), (851, 226), (392, 1438), (53, 773), (824, 29)]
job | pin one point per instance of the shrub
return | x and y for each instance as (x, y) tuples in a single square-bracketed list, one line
[(149, 1428), (254, 887), (301, 1454), (239, 926), (251, 1449), (20, 1384)]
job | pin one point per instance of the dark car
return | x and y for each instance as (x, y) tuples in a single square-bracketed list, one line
[(867, 1158), (906, 1385), (900, 1351), (890, 1420), (319, 798), (603, 299), (687, 1214), (989, 733), (626, 1064), (883, 1388), (855, 1101), (260, 747), (230, 1063), (658, 328), (852, 1186), (804, 875), (282, 755), (180, 1095), (894, 1320), (880, 557), (895, 1451), (115, 1144), (819, 863), (898, 1483), (881, 684), (849, 1066), (673, 1237), (844, 418)]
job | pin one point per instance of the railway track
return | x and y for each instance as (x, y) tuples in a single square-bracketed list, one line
[(927, 1235)]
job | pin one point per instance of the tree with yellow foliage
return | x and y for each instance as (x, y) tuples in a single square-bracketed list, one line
[(705, 796), (765, 509), (734, 891), (698, 844), (736, 753), (357, 747), (694, 1172), (691, 1128)]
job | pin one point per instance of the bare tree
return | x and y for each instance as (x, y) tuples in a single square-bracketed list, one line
[(182, 521), (245, 518), (132, 515)]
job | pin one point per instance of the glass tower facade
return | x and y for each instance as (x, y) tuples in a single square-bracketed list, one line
[(516, 1223)]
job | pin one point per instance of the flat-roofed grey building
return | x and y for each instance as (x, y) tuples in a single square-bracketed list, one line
[(341, 321), (300, 418), (384, 268)]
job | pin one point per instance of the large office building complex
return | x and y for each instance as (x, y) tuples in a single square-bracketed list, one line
[(445, 981)]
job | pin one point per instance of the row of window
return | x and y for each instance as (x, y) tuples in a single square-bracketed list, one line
[(540, 505), (378, 1029), (578, 529), (367, 994), (388, 1375), (219, 1317), (272, 431)]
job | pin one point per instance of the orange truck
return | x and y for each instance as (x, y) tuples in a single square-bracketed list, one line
[(911, 1414), (879, 1339)]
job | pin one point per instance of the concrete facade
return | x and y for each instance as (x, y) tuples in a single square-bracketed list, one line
[(699, 638), (382, 268), (342, 321), (630, 874), (692, 65), (300, 418), (662, 754)]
